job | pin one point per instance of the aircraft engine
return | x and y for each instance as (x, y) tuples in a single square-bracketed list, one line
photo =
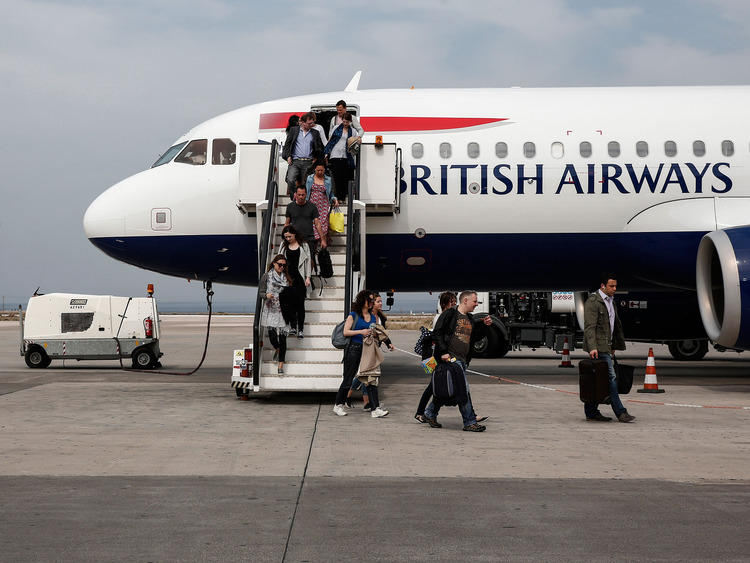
[(723, 285)]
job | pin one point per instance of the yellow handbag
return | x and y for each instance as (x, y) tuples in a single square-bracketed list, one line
[(336, 222)]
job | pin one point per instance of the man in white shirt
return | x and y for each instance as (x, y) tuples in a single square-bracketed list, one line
[(339, 118)]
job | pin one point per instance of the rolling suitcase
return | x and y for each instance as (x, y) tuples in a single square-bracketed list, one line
[(593, 381)]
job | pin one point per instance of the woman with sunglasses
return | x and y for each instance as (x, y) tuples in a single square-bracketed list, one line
[(299, 267), (270, 286), (356, 328)]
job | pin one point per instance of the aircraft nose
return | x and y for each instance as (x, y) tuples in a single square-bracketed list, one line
[(104, 222)]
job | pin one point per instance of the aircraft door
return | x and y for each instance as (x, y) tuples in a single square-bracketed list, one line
[(379, 177)]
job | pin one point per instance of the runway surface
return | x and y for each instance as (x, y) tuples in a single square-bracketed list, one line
[(100, 464)]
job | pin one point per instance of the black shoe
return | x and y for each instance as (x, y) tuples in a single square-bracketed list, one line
[(625, 417), (422, 419), (368, 407), (433, 422), (600, 417), (475, 428), (482, 418)]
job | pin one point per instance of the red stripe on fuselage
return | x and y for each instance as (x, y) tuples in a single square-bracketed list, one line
[(375, 124)]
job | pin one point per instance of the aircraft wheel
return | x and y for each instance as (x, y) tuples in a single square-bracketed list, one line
[(688, 349), (143, 358), (36, 357), (489, 346)]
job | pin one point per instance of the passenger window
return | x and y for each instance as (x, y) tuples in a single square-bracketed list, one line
[(585, 149), (699, 148), (670, 148), (445, 150), (613, 149), (223, 151), (529, 150), (501, 150), (194, 153), (417, 150), (473, 150), (558, 150), (727, 148), (641, 148)]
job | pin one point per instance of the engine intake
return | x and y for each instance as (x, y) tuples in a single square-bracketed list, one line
[(723, 285)]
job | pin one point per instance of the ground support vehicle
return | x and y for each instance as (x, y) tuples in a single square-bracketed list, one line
[(67, 326)]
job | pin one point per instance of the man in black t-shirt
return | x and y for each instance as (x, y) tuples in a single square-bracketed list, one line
[(454, 335), (303, 216)]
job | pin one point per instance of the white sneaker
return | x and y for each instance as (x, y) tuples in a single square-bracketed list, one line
[(339, 410), (378, 413)]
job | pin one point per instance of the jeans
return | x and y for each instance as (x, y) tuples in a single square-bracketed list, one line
[(591, 409), (278, 341), (297, 171), (467, 411), (351, 365)]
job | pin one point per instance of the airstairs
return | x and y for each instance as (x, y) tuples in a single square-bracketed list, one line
[(312, 363)]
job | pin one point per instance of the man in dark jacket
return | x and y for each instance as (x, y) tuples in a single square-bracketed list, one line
[(302, 145), (602, 335), (454, 335)]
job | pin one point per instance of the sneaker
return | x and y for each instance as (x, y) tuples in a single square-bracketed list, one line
[(292, 332), (378, 413), (625, 417), (300, 334), (339, 410), (433, 422), (475, 428), (368, 407)]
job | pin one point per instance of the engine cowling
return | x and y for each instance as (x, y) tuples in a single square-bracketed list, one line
[(723, 285)]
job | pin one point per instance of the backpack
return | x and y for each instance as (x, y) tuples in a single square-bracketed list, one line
[(448, 387), (424, 346), (325, 265), (337, 336)]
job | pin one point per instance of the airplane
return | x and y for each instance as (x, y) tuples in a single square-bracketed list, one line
[(495, 189)]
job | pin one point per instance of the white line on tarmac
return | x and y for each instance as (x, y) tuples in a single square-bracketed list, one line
[(544, 388)]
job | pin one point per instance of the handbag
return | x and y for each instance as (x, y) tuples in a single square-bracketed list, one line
[(336, 222), (624, 376)]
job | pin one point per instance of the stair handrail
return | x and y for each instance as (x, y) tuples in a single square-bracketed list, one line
[(352, 237), (264, 247)]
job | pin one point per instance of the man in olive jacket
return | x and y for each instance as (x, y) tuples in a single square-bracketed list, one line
[(602, 335)]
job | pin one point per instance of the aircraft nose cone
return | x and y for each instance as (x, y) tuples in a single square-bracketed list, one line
[(104, 222)]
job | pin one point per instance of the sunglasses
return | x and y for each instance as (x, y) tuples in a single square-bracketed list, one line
[(280, 264)]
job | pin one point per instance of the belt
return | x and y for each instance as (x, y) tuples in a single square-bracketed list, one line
[(301, 158)]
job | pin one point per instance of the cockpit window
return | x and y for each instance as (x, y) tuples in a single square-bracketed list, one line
[(169, 155), (223, 151), (194, 153)]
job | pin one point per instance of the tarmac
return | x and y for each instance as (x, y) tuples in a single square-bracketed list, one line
[(99, 464)]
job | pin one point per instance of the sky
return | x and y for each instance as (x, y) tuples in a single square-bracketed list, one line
[(93, 92)]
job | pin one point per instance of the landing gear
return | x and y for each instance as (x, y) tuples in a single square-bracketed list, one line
[(688, 349)]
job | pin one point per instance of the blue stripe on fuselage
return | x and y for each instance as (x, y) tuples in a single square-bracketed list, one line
[(480, 261)]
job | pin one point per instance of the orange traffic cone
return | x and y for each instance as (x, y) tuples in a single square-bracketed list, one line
[(649, 384), (566, 355)]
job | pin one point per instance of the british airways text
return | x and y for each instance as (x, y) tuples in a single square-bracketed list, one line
[(505, 179)]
